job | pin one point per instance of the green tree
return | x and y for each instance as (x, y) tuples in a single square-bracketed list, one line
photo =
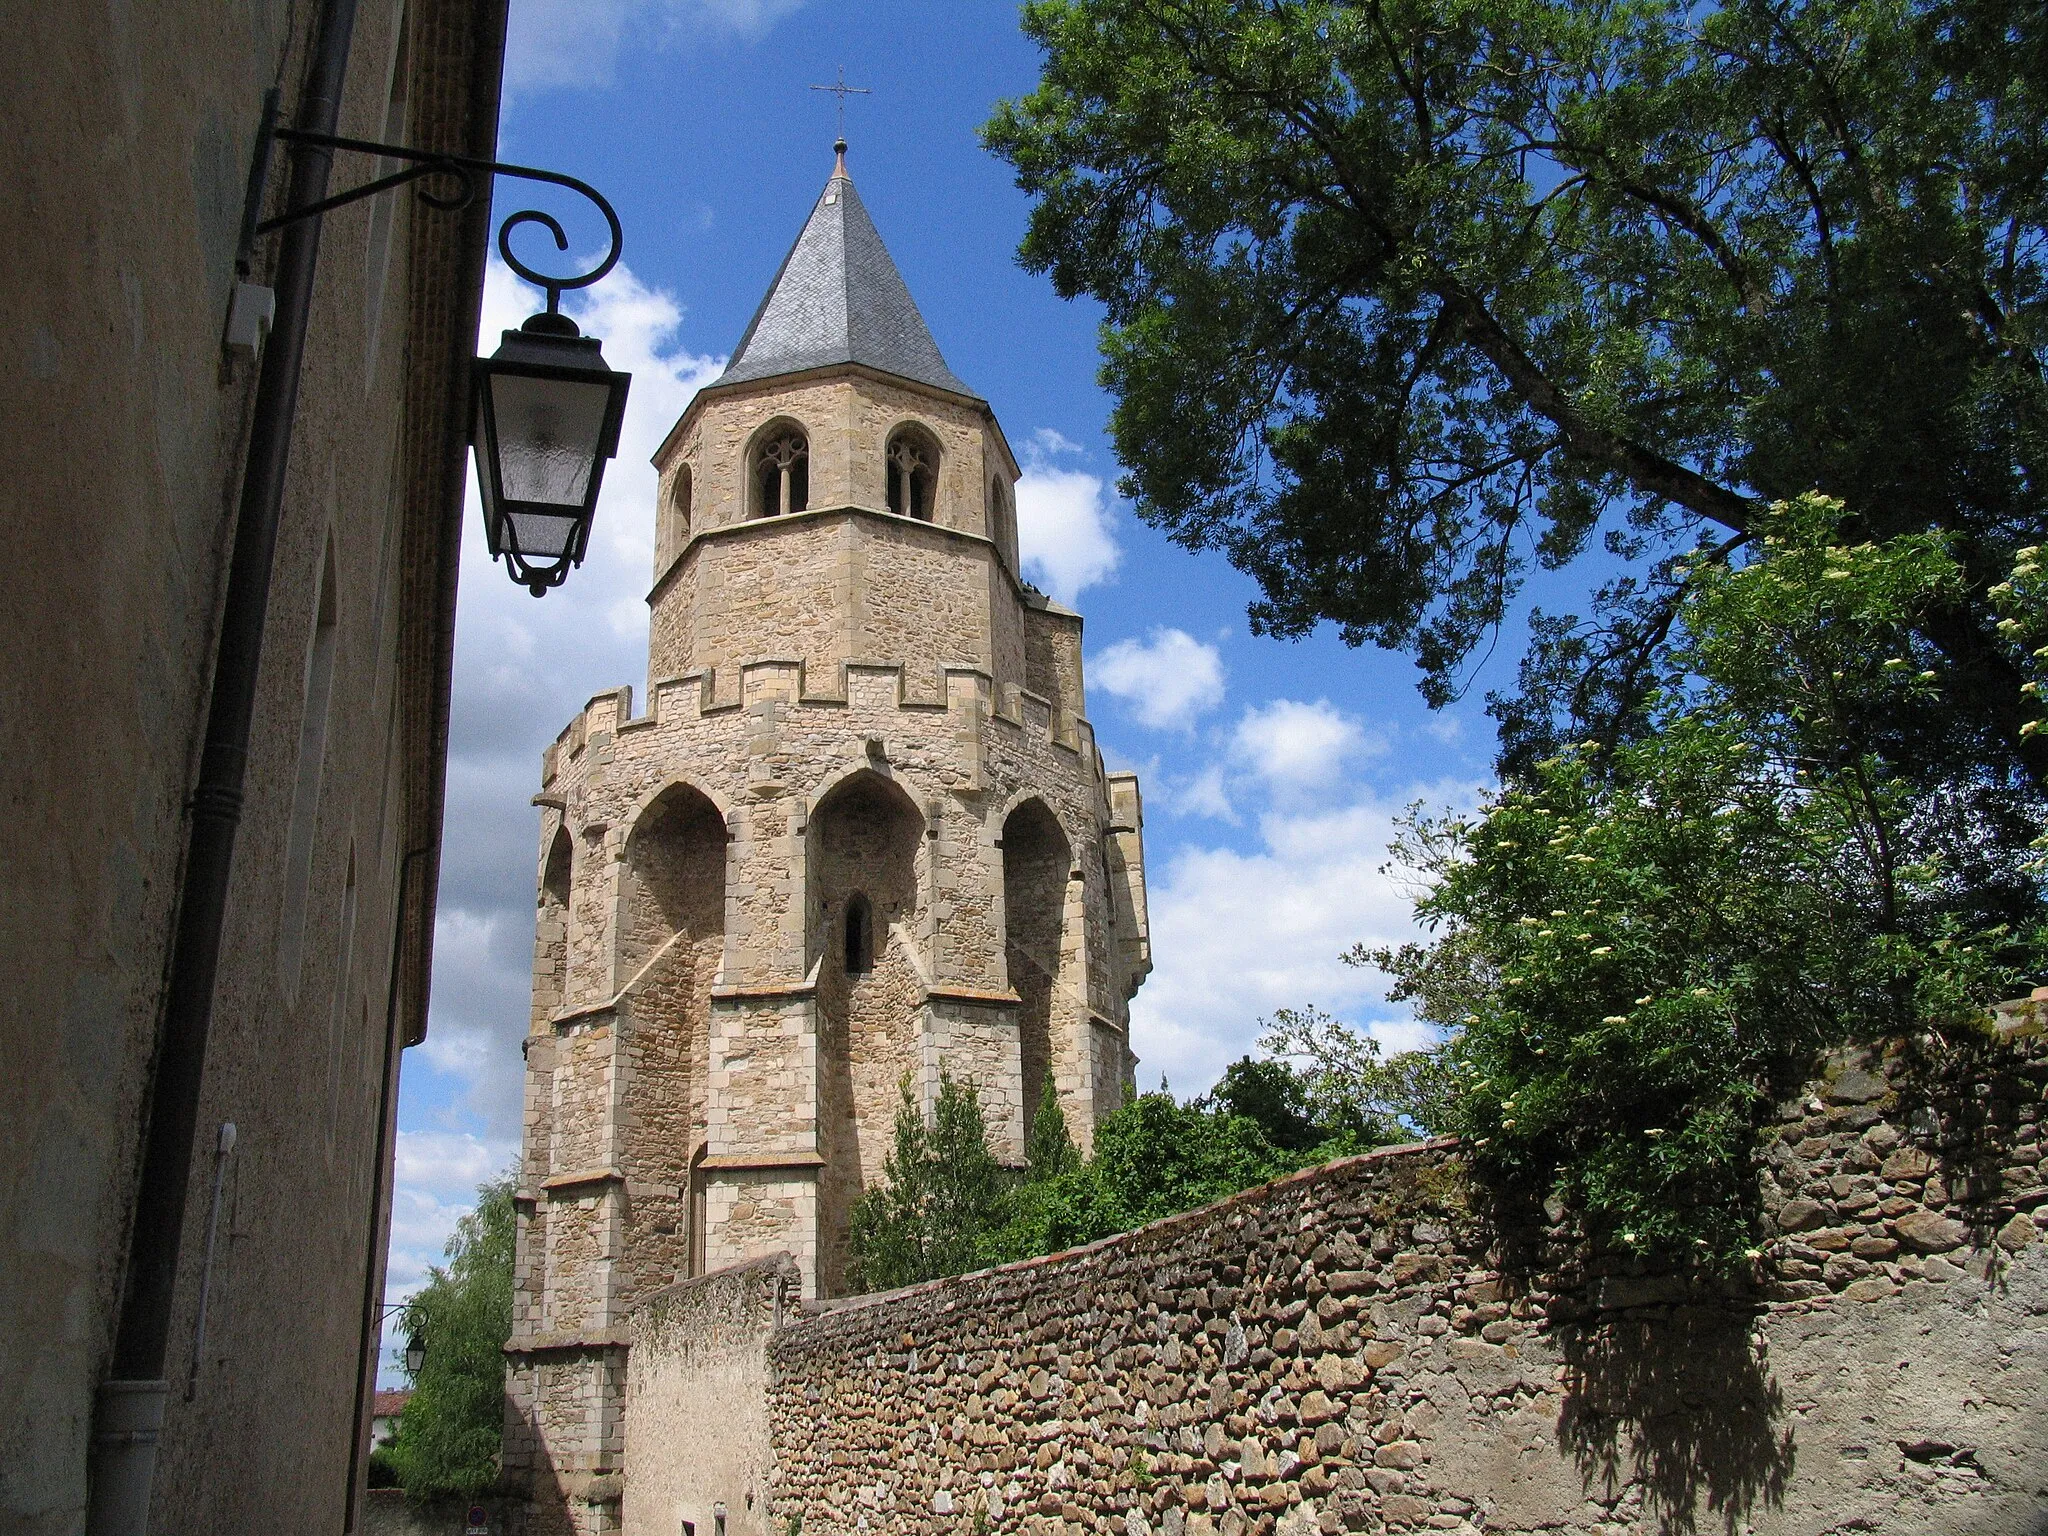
[(1639, 948), (1356, 1097), (1405, 295), (942, 1196), (1272, 1097), (452, 1432), (1051, 1153)]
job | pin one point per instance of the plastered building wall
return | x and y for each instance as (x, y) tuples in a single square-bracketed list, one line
[(126, 138), (1358, 1348), (851, 843)]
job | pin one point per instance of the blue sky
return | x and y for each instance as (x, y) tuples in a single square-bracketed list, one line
[(1272, 770)]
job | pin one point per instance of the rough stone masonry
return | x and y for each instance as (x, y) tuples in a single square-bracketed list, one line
[(1357, 1348)]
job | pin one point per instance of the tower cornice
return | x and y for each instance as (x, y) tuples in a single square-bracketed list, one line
[(768, 527), (743, 389)]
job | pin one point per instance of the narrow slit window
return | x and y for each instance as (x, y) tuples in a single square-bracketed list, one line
[(679, 511), (860, 936), (1001, 520)]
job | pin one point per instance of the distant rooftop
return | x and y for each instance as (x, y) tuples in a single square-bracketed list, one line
[(839, 299)]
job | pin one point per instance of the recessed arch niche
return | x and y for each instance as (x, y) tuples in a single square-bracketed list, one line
[(1036, 861), (671, 935), (551, 928), (864, 876)]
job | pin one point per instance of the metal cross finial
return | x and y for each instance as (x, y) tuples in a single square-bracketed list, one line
[(842, 90)]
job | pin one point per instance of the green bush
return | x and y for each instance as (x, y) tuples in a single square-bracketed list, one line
[(1639, 946)]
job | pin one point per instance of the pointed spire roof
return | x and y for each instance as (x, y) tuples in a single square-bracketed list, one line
[(839, 299)]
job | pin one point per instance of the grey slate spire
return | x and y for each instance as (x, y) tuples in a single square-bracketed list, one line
[(839, 299)]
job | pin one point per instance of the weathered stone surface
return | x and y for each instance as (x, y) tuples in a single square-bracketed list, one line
[(1930, 1232), (1801, 1215), (1857, 1087)]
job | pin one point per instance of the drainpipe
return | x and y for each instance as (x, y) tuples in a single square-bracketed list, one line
[(128, 1416), (372, 1337)]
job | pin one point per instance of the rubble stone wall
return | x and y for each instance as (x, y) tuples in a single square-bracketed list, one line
[(1355, 1348)]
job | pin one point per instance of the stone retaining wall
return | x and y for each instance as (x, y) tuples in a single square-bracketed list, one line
[(1354, 1348)]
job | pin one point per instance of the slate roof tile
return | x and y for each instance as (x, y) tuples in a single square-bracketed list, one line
[(839, 299)]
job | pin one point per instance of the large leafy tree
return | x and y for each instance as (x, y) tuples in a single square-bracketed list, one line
[(1405, 295), (452, 1432)]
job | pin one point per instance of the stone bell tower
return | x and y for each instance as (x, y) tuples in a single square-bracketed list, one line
[(861, 832)]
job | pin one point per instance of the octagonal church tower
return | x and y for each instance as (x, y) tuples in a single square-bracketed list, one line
[(861, 833)]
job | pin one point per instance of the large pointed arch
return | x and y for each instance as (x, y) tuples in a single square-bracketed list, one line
[(867, 878), (551, 925), (1038, 857), (673, 881)]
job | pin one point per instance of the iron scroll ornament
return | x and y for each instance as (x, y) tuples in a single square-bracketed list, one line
[(467, 173), (537, 515)]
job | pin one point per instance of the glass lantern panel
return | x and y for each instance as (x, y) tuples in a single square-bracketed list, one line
[(541, 536), (548, 436)]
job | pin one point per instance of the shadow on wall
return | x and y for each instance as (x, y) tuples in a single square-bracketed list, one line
[(1683, 1407), (388, 1512)]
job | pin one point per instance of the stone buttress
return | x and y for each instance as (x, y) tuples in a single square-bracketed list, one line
[(860, 835)]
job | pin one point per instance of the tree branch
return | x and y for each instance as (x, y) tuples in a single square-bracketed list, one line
[(1643, 467)]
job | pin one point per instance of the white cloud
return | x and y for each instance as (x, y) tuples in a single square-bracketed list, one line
[(1238, 934), (1203, 795), (1064, 522), (554, 44), (1296, 748), (1168, 681)]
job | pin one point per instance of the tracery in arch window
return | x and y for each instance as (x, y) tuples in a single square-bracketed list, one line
[(913, 462), (782, 473)]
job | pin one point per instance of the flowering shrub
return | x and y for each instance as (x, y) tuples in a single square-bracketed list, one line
[(1642, 943)]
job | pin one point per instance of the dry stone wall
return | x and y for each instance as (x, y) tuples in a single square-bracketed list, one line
[(1355, 1348)]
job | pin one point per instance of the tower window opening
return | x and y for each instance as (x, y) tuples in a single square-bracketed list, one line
[(860, 936), (913, 474), (679, 510), (782, 474), (1002, 519)]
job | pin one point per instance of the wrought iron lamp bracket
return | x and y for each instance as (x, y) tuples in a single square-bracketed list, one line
[(469, 174)]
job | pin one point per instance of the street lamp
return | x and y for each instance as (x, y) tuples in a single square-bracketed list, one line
[(415, 1353), (545, 410), (547, 417)]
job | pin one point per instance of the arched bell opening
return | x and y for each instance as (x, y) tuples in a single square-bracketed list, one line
[(911, 462), (779, 470)]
